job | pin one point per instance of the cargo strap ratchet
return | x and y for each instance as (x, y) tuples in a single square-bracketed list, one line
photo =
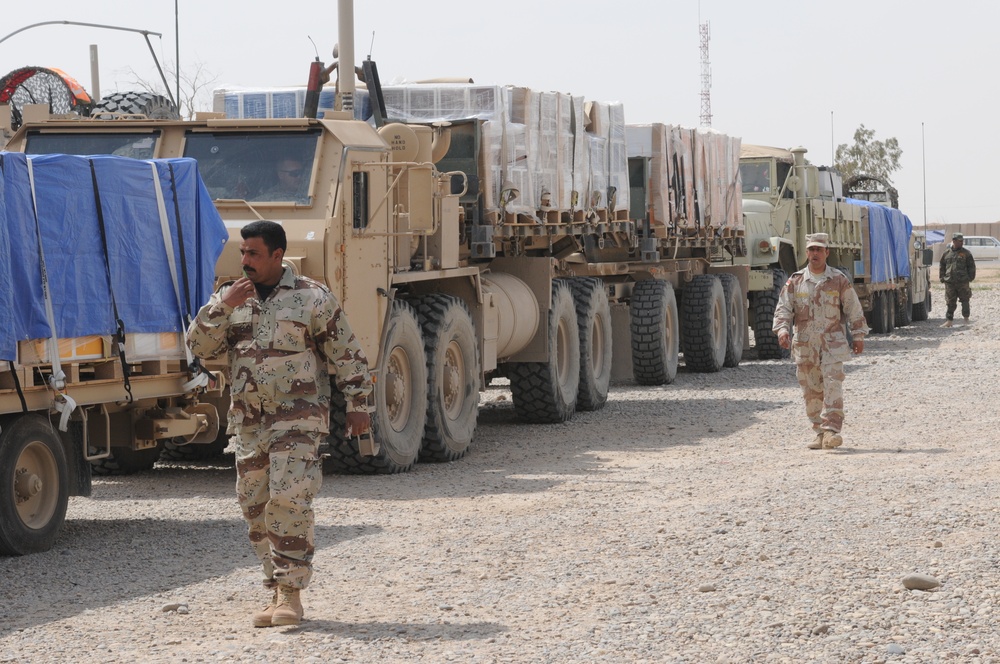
[(119, 335), (63, 403)]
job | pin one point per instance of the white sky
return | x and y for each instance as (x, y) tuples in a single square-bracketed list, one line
[(784, 72)]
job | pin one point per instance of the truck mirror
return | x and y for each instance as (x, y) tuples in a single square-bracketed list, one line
[(928, 256)]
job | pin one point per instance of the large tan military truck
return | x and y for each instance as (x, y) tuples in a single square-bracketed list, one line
[(784, 199), (94, 374)]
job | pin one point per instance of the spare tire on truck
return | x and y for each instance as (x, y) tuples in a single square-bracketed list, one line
[(147, 104)]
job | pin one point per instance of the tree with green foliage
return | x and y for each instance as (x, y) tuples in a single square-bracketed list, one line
[(879, 159)]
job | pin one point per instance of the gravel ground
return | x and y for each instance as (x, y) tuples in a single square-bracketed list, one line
[(687, 523)]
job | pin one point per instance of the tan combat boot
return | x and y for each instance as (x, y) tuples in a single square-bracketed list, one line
[(832, 439), (947, 323), (289, 609), (966, 320), (818, 443), (262, 618)]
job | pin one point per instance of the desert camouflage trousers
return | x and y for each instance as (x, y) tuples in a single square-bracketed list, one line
[(953, 293), (823, 389), (278, 474)]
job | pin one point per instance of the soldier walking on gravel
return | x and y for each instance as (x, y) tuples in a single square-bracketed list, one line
[(285, 335), (958, 268), (816, 300)]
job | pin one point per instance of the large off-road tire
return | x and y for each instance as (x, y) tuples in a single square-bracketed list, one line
[(545, 392), (400, 404), (883, 312), (452, 377), (126, 461), (764, 304), (34, 485), (655, 331), (340, 454), (904, 310), (736, 319), (703, 324), (148, 104), (593, 316), (921, 310)]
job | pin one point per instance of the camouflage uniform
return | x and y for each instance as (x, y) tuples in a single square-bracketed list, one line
[(957, 269), (817, 306), (282, 352)]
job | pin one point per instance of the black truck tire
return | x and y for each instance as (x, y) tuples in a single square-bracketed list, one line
[(736, 319), (703, 324), (34, 485), (400, 405), (655, 332), (452, 377), (764, 304), (545, 392), (593, 314), (148, 104)]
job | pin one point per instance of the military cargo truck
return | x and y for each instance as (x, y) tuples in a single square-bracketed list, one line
[(451, 275), (104, 259), (784, 199)]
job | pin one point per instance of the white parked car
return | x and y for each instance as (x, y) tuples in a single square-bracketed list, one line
[(983, 247)]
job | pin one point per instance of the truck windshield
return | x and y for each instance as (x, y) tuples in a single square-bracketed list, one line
[(137, 145), (255, 166)]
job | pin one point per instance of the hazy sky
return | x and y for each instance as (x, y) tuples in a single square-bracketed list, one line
[(784, 73)]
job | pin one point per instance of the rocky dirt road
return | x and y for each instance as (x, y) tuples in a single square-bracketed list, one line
[(687, 523)]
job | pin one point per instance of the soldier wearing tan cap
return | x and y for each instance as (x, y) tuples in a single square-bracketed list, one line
[(815, 301)]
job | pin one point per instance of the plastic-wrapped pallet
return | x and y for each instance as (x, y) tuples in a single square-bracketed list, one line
[(608, 121), (239, 104), (717, 169)]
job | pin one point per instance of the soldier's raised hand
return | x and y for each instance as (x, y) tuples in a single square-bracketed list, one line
[(238, 292)]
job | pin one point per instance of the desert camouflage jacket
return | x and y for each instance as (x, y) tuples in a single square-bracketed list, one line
[(957, 266), (282, 352), (818, 310)]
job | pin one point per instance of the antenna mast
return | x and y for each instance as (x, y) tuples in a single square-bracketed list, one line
[(706, 77)]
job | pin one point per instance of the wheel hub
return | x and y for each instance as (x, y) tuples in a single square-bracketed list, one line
[(27, 485)]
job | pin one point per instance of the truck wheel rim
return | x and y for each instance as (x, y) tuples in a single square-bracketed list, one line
[(453, 380), (35, 477)]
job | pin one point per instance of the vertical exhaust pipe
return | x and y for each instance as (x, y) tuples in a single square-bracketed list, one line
[(345, 37)]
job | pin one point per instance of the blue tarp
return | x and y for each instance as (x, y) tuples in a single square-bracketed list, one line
[(74, 254), (933, 237), (889, 233)]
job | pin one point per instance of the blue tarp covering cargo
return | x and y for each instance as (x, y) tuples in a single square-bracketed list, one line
[(151, 209), (889, 233)]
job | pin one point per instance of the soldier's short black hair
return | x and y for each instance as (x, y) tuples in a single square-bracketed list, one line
[(272, 233)]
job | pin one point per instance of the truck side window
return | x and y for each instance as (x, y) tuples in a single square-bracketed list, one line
[(359, 200)]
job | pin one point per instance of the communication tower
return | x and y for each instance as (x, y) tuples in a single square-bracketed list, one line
[(706, 77)]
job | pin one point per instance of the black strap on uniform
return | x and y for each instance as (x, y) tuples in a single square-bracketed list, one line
[(119, 335)]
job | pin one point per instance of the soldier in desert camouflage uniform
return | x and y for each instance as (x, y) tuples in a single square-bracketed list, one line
[(817, 299), (285, 335)]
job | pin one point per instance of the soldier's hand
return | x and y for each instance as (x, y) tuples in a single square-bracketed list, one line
[(238, 292), (357, 423), (858, 346), (784, 340)]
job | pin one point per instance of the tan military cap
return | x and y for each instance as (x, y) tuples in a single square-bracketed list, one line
[(817, 240)]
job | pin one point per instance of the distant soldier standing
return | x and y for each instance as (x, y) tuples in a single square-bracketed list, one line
[(958, 268), (816, 300), (285, 335)]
